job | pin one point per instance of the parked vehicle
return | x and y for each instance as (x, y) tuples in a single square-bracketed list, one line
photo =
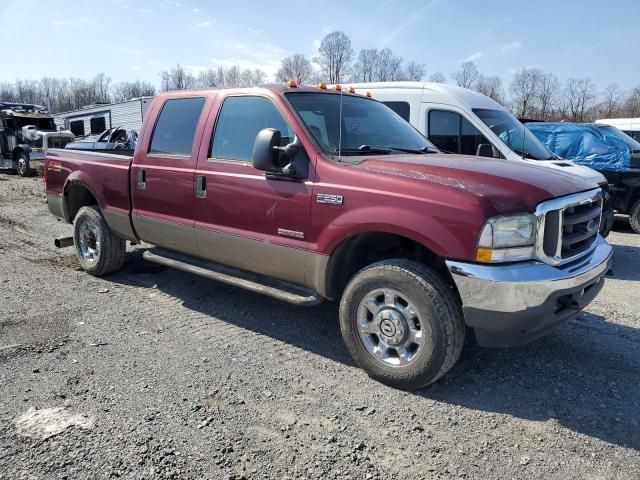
[(630, 126), (458, 120), (96, 118), (111, 139), (306, 194), (604, 148), (26, 131)]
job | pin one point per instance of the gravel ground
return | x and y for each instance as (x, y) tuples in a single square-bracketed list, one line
[(174, 376)]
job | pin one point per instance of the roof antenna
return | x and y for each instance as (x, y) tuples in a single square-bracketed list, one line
[(524, 128), (340, 129)]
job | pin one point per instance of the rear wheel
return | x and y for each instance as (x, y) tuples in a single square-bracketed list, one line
[(98, 249), (634, 217), (402, 323), (22, 165)]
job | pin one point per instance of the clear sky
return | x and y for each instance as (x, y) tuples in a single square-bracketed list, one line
[(135, 39)]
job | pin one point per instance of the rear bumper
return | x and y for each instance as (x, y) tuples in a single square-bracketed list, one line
[(511, 305)]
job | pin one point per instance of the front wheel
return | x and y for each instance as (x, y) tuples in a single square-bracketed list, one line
[(634, 217), (22, 165), (402, 323), (98, 249)]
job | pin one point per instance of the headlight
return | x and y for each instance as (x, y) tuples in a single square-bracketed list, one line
[(507, 239)]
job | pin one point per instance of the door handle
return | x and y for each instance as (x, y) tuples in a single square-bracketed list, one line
[(142, 180), (201, 186)]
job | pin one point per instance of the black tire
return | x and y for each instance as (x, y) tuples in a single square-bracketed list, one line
[(22, 165), (109, 249), (440, 317), (634, 217), (608, 217)]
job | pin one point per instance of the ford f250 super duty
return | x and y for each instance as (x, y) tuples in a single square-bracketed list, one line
[(307, 194)]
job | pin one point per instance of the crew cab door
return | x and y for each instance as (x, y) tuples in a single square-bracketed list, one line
[(162, 174), (243, 218)]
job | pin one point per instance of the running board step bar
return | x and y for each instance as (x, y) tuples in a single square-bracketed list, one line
[(279, 289)]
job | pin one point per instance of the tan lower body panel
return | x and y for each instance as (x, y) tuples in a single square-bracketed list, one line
[(278, 261), (120, 224)]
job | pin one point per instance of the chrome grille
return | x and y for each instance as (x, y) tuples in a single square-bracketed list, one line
[(568, 226)]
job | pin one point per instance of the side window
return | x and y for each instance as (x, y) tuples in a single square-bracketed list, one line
[(444, 129), (471, 138), (176, 126), (98, 125), (452, 133), (239, 121), (401, 108), (77, 127)]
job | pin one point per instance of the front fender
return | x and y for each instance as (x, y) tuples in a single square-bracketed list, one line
[(445, 237)]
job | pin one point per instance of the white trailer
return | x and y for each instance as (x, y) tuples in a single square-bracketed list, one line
[(97, 118)]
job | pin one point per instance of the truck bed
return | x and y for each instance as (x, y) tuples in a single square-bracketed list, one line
[(105, 174)]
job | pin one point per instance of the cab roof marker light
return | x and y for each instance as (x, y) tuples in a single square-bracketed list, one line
[(292, 84), (351, 90), (368, 94), (322, 85), (337, 87)]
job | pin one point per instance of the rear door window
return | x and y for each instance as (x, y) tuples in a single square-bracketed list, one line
[(240, 120), (176, 126)]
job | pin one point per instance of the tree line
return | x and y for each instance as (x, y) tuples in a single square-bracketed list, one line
[(531, 93)]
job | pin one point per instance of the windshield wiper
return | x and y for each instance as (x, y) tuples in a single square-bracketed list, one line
[(388, 148)]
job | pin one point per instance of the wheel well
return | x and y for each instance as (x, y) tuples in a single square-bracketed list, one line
[(361, 250), (634, 196), (78, 196)]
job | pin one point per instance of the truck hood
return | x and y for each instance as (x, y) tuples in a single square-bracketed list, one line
[(573, 168), (510, 187)]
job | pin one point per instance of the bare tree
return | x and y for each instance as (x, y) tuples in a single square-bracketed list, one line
[(547, 94), (295, 67), (415, 71), (437, 77), (611, 99), (124, 91), (334, 56), (177, 78), (467, 76), (580, 94), (525, 87), (388, 66), (491, 87), (259, 77), (365, 66), (101, 85), (632, 103)]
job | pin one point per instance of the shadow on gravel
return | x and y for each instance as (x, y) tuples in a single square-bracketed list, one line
[(585, 376), (626, 259)]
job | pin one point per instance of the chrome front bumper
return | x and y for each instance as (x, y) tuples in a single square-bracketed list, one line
[(513, 304)]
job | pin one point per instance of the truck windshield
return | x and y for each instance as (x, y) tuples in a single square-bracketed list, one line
[(610, 131), (368, 127), (514, 134)]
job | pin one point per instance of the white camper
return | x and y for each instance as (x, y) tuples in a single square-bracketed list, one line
[(458, 120)]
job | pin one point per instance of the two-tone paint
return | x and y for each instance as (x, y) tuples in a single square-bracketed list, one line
[(288, 229)]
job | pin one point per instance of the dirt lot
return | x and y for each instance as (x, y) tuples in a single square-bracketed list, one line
[(173, 376)]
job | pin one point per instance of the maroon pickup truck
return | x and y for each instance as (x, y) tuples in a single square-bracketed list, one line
[(307, 194)]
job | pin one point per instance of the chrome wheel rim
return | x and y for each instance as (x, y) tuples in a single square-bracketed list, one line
[(390, 327), (22, 165), (89, 241)]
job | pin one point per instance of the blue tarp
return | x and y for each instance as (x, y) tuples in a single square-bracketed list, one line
[(585, 144)]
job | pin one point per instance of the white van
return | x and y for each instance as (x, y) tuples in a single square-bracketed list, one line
[(630, 126), (458, 120)]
